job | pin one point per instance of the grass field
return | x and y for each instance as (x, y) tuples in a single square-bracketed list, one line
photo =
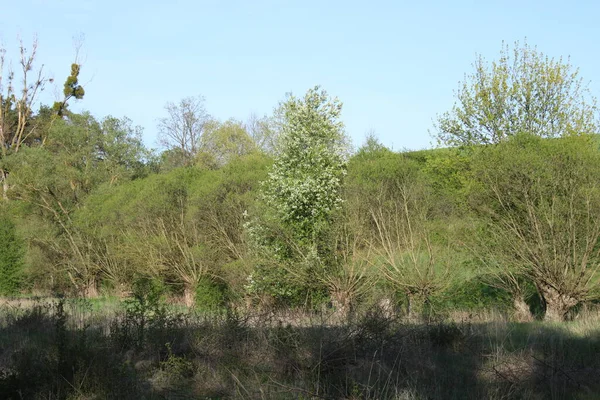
[(76, 349)]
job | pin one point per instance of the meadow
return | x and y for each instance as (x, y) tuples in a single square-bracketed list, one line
[(146, 349)]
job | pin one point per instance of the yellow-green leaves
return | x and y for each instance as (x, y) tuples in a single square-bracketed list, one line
[(524, 91)]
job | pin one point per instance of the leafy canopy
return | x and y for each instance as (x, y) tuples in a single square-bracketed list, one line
[(524, 91)]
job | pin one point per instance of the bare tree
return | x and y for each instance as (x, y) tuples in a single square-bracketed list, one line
[(263, 131), (16, 104), (183, 126)]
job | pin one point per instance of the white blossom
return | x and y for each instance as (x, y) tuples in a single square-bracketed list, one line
[(305, 181)]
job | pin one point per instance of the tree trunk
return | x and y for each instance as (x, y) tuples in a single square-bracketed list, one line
[(521, 312), (189, 296), (557, 304), (386, 305), (4, 184), (415, 306), (342, 304), (90, 290)]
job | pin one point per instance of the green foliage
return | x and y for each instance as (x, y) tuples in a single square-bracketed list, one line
[(12, 250), (523, 91), (303, 188), (222, 142), (144, 310), (371, 165), (400, 225), (210, 295), (72, 89), (540, 199), (175, 158), (448, 174), (301, 195), (474, 295), (81, 154), (52, 182), (277, 282), (276, 208), (192, 226), (177, 367)]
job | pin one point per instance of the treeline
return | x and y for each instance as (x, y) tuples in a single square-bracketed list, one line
[(280, 211)]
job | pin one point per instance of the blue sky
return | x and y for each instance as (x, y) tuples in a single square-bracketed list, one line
[(394, 64)]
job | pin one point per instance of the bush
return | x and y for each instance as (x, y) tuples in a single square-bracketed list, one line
[(210, 295), (12, 253), (474, 295)]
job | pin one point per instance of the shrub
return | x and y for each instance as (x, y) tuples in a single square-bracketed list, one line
[(210, 295), (12, 253)]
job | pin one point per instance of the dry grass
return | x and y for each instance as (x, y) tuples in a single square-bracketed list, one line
[(66, 353)]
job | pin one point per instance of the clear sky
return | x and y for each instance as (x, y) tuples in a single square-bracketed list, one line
[(394, 64)]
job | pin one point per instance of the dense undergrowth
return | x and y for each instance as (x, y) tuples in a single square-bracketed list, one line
[(144, 349)]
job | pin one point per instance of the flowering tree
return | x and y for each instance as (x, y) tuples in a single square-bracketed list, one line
[(303, 187), (301, 194)]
